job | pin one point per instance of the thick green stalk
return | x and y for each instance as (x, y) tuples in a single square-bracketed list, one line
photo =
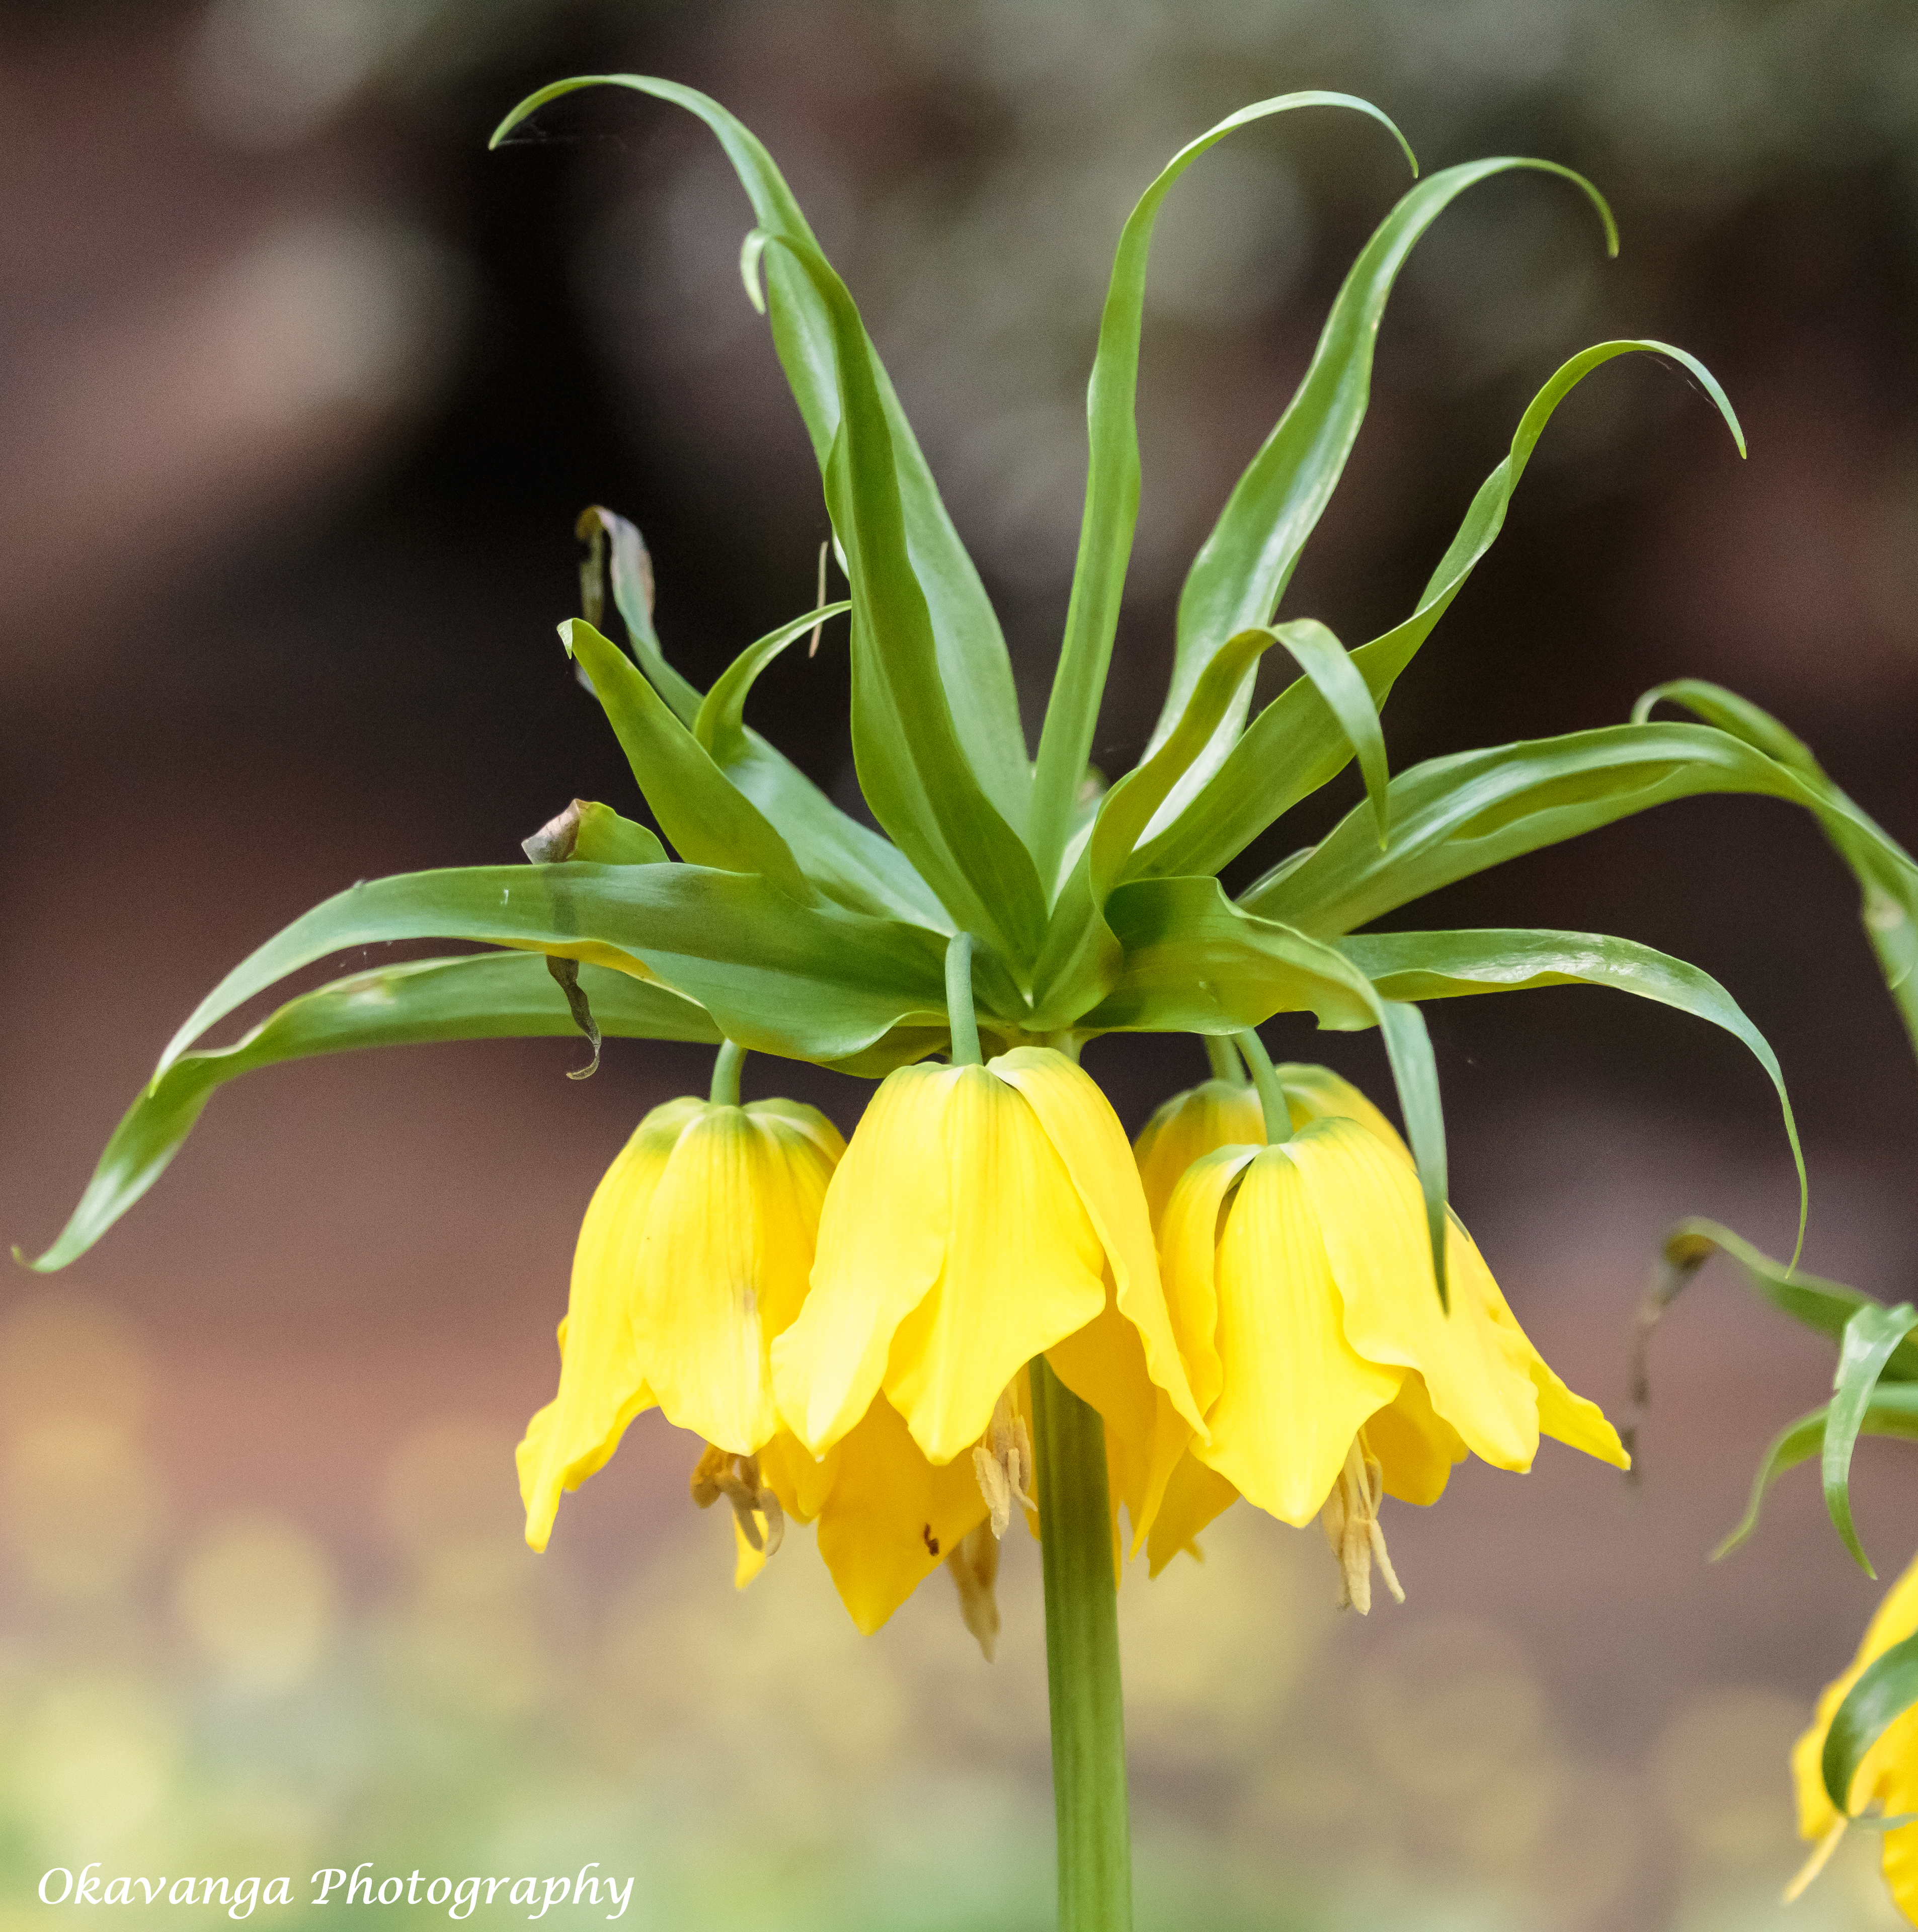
[(1265, 1079), (1082, 1660)]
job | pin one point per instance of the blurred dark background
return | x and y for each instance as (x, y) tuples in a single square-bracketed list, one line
[(301, 390)]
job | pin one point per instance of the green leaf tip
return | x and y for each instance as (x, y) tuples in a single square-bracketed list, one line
[(1887, 1689), (539, 98)]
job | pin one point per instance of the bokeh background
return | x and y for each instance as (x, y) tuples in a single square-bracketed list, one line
[(300, 390)]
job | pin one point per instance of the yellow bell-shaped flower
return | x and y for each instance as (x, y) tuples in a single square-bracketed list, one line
[(1886, 1778), (1299, 1280), (984, 1215), (693, 1257)]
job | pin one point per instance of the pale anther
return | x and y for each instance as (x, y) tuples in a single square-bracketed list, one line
[(761, 1521), (1003, 1460), (1350, 1520)]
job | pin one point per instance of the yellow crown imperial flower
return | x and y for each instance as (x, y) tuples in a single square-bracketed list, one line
[(1887, 1777), (692, 1257), (984, 1215), (1299, 1281)]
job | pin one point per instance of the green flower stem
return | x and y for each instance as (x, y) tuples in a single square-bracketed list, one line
[(1224, 1057), (959, 1016), (1082, 1660), (1265, 1078), (726, 1066)]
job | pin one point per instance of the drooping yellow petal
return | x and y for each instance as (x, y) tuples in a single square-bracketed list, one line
[(1086, 1133), (1023, 1267), (882, 1244), (1567, 1417), (1316, 1093), (1295, 1391), (1214, 1113), (1194, 1495), (1188, 1258), (602, 1382), (891, 1517), (1369, 1209), (1103, 1364), (722, 1267), (801, 1484), (1415, 1446)]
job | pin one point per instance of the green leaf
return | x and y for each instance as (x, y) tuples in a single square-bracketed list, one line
[(603, 838), (1296, 744), (912, 765), (1111, 499), (1887, 1689), (1825, 1306), (852, 864), (1870, 1336), (1194, 963), (711, 821), (1242, 567), (1415, 1074), (1444, 965), (972, 660), (1892, 1410), (720, 724), (808, 982), (1455, 816), (1884, 870), (631, 570), (484, 996)]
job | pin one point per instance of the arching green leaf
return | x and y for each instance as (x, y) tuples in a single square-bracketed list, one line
[(912, 766), (720, 723), (971, 653), (1296, 745), (1887, 877), (1453, 817), (482, 996), (630, 567), (1242, 567), (1824, 1306), (809, 982), (1111, 498), (1892, 1410), (1870, 1336), (1444, 965), (711, 821)]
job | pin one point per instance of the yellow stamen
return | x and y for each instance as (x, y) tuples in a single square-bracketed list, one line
[(1816, 1863), (974, 1563), (1350, 1520), (1003, 1461), (761, 1521)]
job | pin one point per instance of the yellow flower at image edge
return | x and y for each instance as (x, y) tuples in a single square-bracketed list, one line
[(1886, 1779), (1299, 1281)]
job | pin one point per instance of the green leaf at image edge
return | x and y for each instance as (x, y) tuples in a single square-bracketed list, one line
[(1887, 1688), (1869, 1338), (481, 996)]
